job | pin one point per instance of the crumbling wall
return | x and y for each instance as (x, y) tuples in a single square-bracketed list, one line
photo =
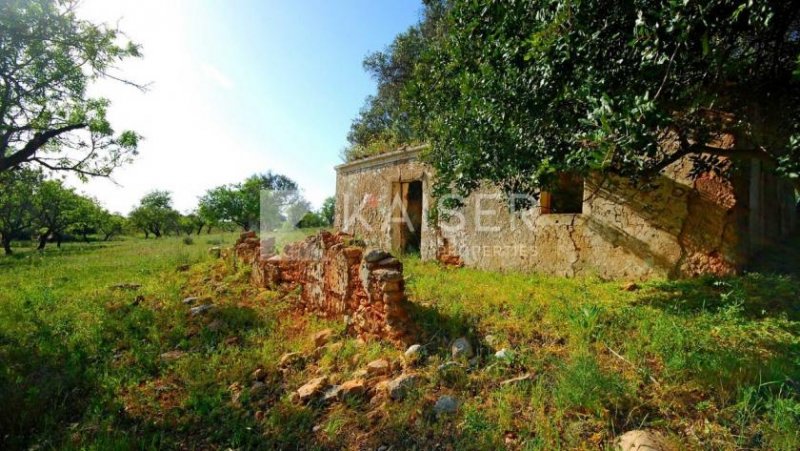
[(673, 226), (336, 278)]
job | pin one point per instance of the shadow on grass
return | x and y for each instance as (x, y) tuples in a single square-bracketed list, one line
[(42, 387), (34, 256), (782, 258), (757, 295)]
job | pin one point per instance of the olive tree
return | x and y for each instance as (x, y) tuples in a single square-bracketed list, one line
[(17, 190), (154, 214), (48, 58)]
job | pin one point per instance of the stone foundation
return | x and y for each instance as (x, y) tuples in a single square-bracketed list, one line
[(336, 278)]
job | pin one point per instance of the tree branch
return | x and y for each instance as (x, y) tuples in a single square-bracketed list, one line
[(36, 143)]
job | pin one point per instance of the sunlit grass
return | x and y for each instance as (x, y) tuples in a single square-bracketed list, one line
[(711, 363)]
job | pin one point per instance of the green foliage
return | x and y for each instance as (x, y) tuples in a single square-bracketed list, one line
[(241, 203), (328, 210), (48, 58), (16, 204), (57, 208), (155, 214), (111, 224), (515, 93)]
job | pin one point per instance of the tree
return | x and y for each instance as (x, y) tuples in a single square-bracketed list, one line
[(17, 190), (328, 210), (56, 208), (48, 57), (155, 214), (517, 92), (87, 216), (241, 203), (110, 224), (193, 223)]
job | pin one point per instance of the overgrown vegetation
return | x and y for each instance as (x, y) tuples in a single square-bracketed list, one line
[(516, 92), (88, 360)]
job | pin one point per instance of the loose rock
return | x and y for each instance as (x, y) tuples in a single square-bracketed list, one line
[(461, 349), (201, 309), (640, 440), (414, 352), (215, 252), (378, 367), (347, 389), (171, 356), (376, 255), (190, 300), (312, 388), (446, 404), (398, 387)]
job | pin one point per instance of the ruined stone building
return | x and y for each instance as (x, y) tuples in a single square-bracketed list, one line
[(601, 225)]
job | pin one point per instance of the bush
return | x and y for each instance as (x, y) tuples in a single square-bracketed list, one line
[(187, 240)]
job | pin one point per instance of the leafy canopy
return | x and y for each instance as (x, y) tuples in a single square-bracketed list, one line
[(154, 214), (514, 92), (241, 204), (48, 57)]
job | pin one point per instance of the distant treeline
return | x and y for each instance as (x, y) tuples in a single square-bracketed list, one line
[(33, 207)]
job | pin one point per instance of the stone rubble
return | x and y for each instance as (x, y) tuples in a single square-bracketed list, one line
[(312, 388), (445, 404), (399, 387), (461, 349), (201, 309), (641, 440)]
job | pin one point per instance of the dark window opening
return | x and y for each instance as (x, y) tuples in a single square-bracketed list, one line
[(566, 196)]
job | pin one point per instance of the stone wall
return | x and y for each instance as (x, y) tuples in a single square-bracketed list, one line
[(336, 277), (677, 226)]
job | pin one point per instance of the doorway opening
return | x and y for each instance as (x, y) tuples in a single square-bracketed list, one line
[(407, 216)]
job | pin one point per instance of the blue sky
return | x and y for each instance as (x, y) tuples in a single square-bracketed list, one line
[(239, 87)]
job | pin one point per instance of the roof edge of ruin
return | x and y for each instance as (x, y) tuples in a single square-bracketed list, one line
[(402, 154)]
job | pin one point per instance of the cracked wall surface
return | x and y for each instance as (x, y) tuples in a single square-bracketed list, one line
[(675, 226)]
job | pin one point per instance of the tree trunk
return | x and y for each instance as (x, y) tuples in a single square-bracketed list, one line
[(43, 241), (59, 238), (6, 245)]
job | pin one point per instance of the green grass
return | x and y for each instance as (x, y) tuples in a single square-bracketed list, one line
[(714, 364)]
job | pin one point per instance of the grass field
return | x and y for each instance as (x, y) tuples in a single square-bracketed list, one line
[(711, 363)]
